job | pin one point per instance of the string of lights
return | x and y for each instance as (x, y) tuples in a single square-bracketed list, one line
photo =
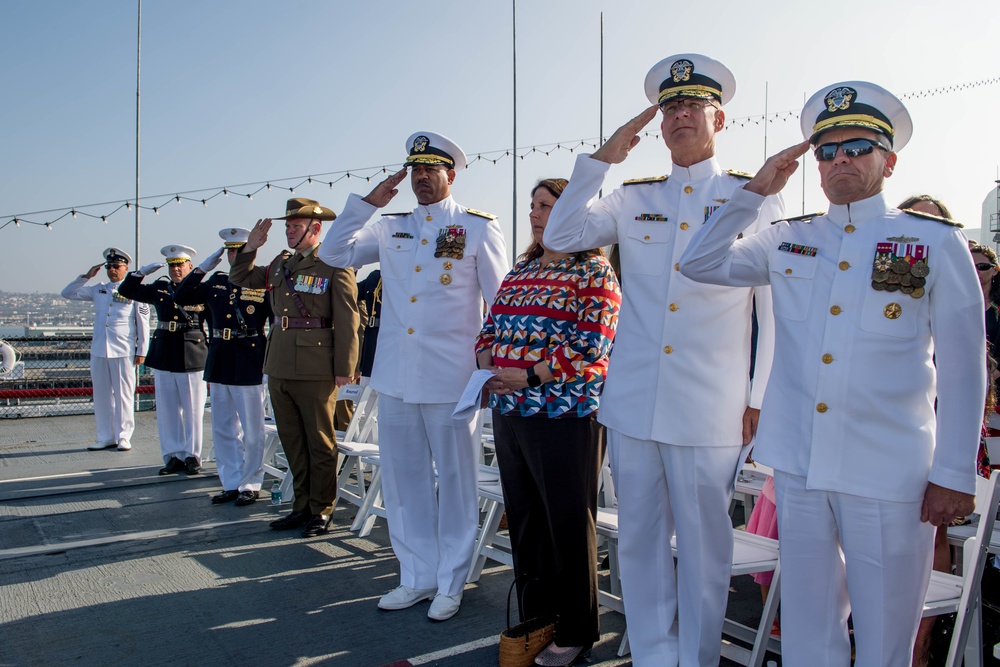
[(246, 191)]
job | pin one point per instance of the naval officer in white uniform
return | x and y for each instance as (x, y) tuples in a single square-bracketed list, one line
[(119, 344), (438, 264), (878, 312), (678, 401)]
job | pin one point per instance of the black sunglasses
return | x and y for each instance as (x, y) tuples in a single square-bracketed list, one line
[(852, 148), (114, 265), (983, 266)]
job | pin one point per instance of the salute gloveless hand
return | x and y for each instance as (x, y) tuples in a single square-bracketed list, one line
[(258, 235), (625, 138), (93, 271), (776, 171), (386, 190)]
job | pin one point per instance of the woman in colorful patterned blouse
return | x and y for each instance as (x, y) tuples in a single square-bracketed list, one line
[(547, 338)]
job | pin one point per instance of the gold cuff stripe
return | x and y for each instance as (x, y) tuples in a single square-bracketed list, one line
[(689, 91), (864, 120)]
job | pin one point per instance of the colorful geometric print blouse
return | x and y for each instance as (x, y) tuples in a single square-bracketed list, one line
[(564, 313)]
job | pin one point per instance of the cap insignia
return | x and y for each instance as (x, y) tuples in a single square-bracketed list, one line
[(839, 99), (681, 70), (421, 143)]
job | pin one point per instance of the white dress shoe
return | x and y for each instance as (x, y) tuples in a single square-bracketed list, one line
[(102, 445), (444, 607), (404, 597), (124, 446)]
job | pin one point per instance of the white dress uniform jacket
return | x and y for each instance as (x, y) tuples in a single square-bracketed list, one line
[(121, 326), (679, 372), (850, 402), (431, 306)]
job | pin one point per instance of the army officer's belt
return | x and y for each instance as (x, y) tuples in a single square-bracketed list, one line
[(173, 326), (304, 322), (226, 334)]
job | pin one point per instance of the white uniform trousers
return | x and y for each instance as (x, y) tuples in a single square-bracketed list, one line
[(180, 413), (844, 554), (114, 398), (433, 534), (674, 617), (238, 435)]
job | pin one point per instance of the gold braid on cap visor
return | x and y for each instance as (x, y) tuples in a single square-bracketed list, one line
[(689, 91), (429, 159), (177, 260), (854, 120)]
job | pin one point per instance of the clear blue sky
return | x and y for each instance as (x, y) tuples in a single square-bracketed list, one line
[(234, 92)]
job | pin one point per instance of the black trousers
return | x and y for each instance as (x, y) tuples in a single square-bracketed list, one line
[(550, 470)]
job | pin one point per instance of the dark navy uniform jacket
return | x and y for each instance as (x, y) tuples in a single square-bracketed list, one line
[(237, 316), (182, 349)]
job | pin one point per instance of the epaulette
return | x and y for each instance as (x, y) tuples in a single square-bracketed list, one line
[(481, 214), (394, 215), (739, 174), (648, 179), (928, 216), (801, 218)]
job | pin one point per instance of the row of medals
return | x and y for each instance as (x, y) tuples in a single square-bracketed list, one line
[(901, 276)]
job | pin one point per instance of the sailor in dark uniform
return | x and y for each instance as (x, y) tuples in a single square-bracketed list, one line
[(177, 356), (370, 305), (234, 370)]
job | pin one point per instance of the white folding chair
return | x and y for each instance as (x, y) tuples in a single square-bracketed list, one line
[(607, 527), (275, 461), (359, 440), (949, 593), (489, 544), (753, 554)]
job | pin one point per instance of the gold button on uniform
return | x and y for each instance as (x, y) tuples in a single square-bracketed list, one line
[(849, 229), (645, 238), (668, 349), (688, 189), (843, 266), (673, 308), (677, 267), (821, 407), (683, 225), (835, 310), (413, 299), (788, 272), (228, 316), (409, 331), (417, 269), (423, 241), (827, 358)]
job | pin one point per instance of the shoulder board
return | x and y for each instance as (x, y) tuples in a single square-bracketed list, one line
[(481, 214), (739, 174), (648, 179), (937, 218), (801, 218), (396, 215)]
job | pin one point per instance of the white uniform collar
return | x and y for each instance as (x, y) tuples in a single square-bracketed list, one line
[(446, 205), (859, 211), (697, 171)]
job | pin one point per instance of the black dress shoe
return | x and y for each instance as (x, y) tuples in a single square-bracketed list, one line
[(225, 497), (191, 466), (293, 520), (247, 498), (173, 465), (319, 524)]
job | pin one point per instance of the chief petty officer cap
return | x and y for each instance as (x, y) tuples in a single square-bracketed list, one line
[(690, 75), (117, 255), (433, 148), (300, 207), (234, 237), (177, 254), (857, 104)]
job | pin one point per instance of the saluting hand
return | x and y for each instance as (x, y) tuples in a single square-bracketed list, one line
[(93, 271), (386, 190), (777, 170), (258, 235), (625, 138)]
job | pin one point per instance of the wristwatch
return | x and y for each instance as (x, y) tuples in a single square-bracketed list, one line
[(533, 379)]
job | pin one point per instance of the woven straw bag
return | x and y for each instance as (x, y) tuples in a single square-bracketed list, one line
[(521, 643)]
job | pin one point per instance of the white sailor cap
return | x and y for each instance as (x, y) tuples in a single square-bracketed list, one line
[(433, 148), (234, 237), (177, 254), (117, 255), (690, 75), (857, 104)]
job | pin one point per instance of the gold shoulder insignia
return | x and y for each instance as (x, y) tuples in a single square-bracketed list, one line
[(481, 214), (937, 218), (739, 174), (801, 218), (648, 179)]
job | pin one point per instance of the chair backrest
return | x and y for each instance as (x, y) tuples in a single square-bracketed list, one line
[(365, 401), (974, 554)]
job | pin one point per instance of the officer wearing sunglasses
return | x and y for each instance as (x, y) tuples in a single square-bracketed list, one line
[(863, 296)]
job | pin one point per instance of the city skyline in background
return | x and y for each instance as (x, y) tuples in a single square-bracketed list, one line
[(252, 92)]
